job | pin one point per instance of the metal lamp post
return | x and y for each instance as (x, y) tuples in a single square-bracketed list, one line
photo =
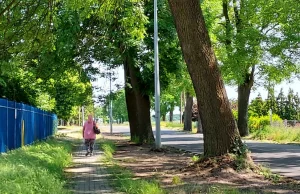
[(157, 84), (110, 104)]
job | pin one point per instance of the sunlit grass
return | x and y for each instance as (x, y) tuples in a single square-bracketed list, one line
[(278, 134), (176, 125), (35, 169)]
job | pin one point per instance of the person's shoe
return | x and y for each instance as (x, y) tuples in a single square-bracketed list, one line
[(91, 153), (87, 153)]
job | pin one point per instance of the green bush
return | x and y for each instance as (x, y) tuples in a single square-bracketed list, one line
[(235, 114), (260, 123)]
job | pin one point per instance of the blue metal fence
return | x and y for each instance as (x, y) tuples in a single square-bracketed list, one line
[(23, 124)]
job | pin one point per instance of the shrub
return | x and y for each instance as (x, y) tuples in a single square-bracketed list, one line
[(235, 114), (260, 123)]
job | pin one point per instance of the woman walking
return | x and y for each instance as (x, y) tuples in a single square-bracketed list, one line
[(89, 135)]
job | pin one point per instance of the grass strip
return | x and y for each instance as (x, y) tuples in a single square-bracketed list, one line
[(278, 134), (37, 168)]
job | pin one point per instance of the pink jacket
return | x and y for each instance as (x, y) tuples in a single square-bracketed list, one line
[(88, 131)]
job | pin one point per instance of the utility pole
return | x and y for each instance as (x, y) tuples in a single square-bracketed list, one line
[(110, 102), (157, 85)]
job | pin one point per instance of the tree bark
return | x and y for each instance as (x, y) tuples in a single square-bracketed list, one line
[(243, 102), (219, 128), (131, 104), (199, 125), (164, 117), (144, 133), (171, 114), (188, 113)]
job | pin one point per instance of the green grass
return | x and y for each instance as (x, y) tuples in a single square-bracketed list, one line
[(176, 180), (196, 158), (173, 125), (35, 169), (266, 172), (278, 134)]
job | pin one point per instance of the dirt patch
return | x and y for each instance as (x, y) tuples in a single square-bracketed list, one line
[(177, 172)]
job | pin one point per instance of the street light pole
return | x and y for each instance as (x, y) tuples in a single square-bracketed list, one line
[(110, 103), (157, 85)]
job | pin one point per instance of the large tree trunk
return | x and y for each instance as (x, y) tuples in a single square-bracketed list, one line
[(131, 104), (243, 102), (144, 133), (199, 125), (164, 117), (188, 113), (219, 128)]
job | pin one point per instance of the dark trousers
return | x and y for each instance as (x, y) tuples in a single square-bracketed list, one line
[(89, 143)]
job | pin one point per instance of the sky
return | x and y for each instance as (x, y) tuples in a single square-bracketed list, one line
[(231, 91)]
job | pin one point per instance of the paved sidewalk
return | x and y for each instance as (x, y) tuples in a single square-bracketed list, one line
[(88, 175)]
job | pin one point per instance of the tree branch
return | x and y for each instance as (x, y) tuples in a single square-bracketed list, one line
[(251, 76), (227, 21), (7, 8), (237, 16)]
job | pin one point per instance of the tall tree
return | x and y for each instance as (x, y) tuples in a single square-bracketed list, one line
[(254, 38), (219, 128), (188, 112)]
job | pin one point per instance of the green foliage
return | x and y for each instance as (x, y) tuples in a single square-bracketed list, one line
[(239, 148), (71, 91), (123, 179), (235, 114), (176, 180), (259, 123), (251, 34), (35, 169), (254, 38), (266, 172), (257, 107), (287, 107), (195, 158), (119, 108), (40, 60), (101, 112), (109, 148), (135, 139)]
